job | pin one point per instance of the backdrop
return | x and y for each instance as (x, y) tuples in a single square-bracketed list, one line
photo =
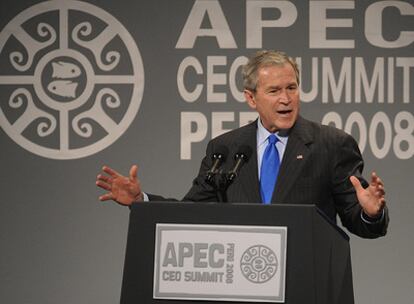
[(83, 84)]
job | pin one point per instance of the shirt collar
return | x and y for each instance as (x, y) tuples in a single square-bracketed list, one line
[(263, 134)]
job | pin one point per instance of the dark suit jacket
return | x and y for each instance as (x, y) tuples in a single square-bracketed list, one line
[(315, 169)]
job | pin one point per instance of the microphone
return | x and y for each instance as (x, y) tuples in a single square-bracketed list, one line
[(218, 157), (241, 157)]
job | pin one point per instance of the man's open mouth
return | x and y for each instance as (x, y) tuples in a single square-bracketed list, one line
[(284, 112)]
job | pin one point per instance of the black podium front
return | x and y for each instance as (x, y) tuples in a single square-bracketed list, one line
[(318, 268)]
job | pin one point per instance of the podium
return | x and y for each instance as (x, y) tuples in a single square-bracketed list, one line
[(318, 262)]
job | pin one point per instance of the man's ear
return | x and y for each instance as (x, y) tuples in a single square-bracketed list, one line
[(249, 95)]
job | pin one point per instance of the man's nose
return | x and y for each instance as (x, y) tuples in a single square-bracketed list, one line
[(284, 96)]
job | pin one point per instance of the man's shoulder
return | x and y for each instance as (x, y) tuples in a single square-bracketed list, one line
[(316, 130), (238, 134), (324, 137)]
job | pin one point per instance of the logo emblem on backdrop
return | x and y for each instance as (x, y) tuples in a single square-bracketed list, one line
[(71, 81), (258, 264)]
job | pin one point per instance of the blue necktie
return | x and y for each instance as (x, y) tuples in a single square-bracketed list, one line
[(269, 170)]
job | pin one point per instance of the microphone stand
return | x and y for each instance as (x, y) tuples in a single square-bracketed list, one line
[(220, 183)]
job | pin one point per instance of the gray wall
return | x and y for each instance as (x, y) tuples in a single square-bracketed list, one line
[(59, 244)]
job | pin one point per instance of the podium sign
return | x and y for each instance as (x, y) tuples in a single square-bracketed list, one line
[(220, 263)]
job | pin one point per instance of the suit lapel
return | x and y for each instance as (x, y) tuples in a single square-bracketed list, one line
[(294, 159)]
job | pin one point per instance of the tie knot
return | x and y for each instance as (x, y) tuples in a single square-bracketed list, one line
[(272, 139)]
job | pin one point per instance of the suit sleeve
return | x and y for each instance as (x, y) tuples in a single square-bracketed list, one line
[(347, 162), (201, 191)]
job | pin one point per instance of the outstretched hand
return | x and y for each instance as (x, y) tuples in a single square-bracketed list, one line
[(372, 198), (123, 190)]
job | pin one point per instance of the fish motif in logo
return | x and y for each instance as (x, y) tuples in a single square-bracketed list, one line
[(64, 70), (64, 88)]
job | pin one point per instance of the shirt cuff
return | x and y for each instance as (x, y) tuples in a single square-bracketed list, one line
[(372, 220), (146, 198)]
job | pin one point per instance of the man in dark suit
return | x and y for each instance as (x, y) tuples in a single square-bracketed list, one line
[(311, 163)]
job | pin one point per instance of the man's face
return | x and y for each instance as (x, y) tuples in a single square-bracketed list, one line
[(276, 97)]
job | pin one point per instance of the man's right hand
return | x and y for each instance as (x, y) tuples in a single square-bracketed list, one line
[(123, 190)]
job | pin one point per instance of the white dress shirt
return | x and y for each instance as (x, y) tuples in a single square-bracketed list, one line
[(262, 135)]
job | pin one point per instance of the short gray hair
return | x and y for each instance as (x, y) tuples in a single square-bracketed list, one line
[(261, 59)]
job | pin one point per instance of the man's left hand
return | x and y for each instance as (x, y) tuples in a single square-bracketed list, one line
[(372, 198)]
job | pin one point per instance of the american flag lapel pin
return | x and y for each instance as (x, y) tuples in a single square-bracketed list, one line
[(300, 156)]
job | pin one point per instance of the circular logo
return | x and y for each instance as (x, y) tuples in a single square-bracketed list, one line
[(258, 264), (72, 79)]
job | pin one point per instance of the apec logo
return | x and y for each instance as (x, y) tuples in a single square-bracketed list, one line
[(72, 79), (211, 262)]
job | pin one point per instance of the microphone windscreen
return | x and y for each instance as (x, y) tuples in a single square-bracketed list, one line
[(220, 151), (244, 151)]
